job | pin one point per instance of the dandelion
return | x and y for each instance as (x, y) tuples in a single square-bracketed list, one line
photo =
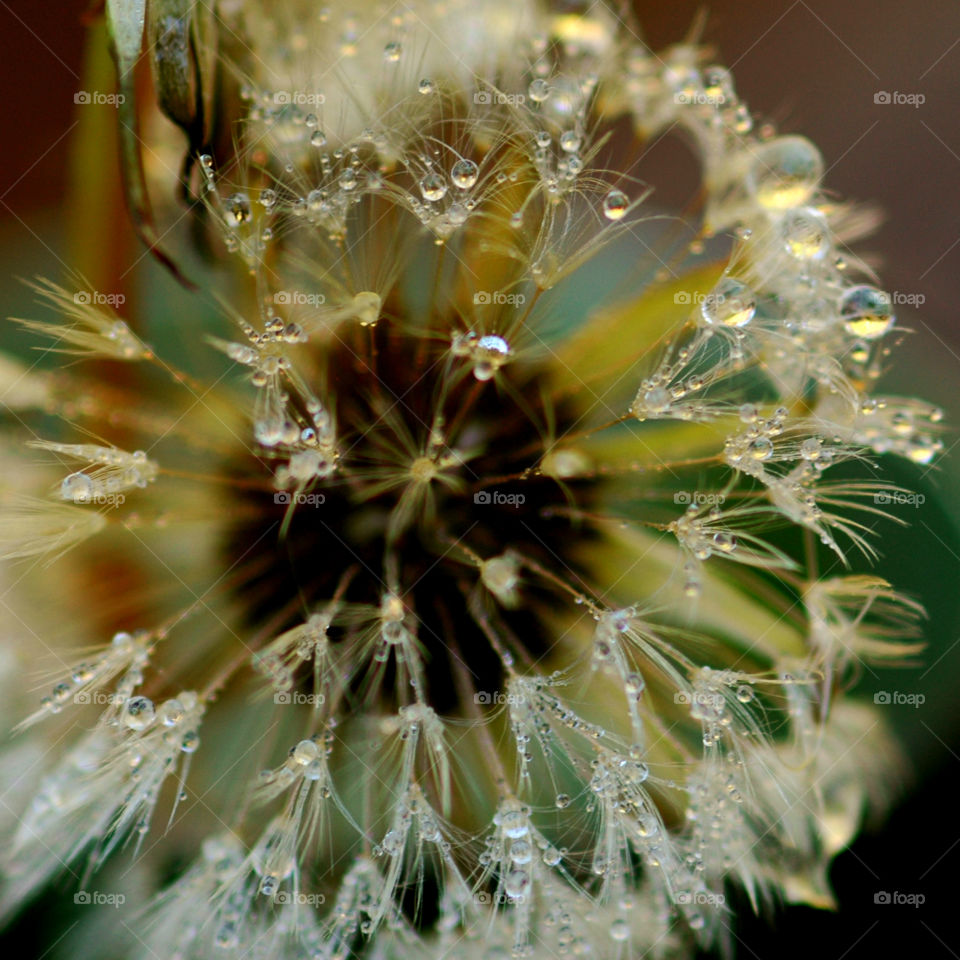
[(489, 603)]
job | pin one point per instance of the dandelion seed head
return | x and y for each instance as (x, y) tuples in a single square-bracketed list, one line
[(445, 595)]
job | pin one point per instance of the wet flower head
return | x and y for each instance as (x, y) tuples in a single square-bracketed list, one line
[(481, 605)]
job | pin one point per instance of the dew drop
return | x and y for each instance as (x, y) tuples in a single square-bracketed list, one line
[(731, 303), (433, 187), (805, 234), (138, 713), (866, 312), (464, 174), (785, 172), (539, 90), (615, 205)]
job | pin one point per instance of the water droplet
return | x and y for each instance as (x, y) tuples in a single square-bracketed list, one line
[(138, 713), (464, 174), (615, 205), (866, 312), (268, 198), (539, 90), (516, 884), (238, 209), (731, 303), (78, 487), (433, 187), (426, 86), (570, 141), (619, 930), (562, 801), (785, 172), (657, 400), (392, 52), (760, 449), (810, 448), (744, 693), (805, 234), (348, 179), (318, 138)]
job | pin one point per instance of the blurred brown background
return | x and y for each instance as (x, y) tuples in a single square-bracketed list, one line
[(810, 66)]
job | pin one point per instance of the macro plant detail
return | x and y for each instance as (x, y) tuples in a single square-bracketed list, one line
[(491, 600)]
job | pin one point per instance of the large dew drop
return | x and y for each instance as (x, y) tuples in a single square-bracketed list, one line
[(866, 312), (615, 205), (785, 172), (731, 303)]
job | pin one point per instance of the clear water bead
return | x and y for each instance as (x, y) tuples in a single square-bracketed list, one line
[(433, 187), (731, 303), (539, 90), (615, 205), (867, 312), (805, 234), (464, 174), (78, 487), (785, 172), (138, 713)]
